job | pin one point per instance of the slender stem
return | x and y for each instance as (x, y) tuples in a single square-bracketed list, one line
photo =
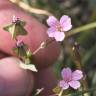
[(79, 66), (30, 9), (43, 45), (81, 29), (37, 50), (61, 92), (49, 41)]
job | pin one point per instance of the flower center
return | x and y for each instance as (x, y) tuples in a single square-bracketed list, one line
[(59, 28), (68, 79)]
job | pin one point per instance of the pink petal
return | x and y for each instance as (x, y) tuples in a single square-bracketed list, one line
[(74, 84), (63, 19), (66, 74), (52, 21), (77, 75), (65, 22), (51, 31), (67, 27), (59, 36), (63, 85)]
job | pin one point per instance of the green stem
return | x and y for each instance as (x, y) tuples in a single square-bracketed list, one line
[(79, 66), (81, 29)]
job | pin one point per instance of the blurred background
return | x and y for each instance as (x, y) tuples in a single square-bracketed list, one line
[(82, 12)]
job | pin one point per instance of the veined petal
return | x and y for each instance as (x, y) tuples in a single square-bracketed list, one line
[(51, 31), (77, 75), (66, 74), (59, 36), (64, 18), (65, 22), (63, 85), (52, 21), (67, 27), (74, 84)]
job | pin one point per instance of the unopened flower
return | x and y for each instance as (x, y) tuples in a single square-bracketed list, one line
[(21, 48), (20, 43), (57, 28), (70, 78), (15, 19)]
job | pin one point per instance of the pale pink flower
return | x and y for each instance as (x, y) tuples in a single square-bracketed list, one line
[(57, 28), (70, 78)]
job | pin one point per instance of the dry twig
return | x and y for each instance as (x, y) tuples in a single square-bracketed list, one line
[(30, 9)]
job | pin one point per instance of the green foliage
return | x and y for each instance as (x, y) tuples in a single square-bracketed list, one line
[(16, 29)]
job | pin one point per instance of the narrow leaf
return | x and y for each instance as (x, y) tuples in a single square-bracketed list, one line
[(22, 23), (16, 29)]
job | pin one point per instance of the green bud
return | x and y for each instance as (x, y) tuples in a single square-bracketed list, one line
[(21, 51), (29, 54)]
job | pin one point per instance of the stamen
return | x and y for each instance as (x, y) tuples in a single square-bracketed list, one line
[(59, 28)]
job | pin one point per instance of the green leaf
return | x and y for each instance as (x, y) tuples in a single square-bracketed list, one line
[(10, 28), (20, 51), (16, 29), (28, 67), (16, 50), (29, 54), (22, 23)]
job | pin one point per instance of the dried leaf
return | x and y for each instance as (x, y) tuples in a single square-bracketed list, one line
[(38, 91), (57, 90), (28, 67)]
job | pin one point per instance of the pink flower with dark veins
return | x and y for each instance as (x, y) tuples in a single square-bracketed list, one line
[(70, 78), (57, 28)]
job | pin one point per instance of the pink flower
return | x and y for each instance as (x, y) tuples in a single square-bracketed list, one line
[(70, 78), (57, 28)]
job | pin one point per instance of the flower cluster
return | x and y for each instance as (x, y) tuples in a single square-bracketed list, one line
[(57, 28), (16, 28)]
